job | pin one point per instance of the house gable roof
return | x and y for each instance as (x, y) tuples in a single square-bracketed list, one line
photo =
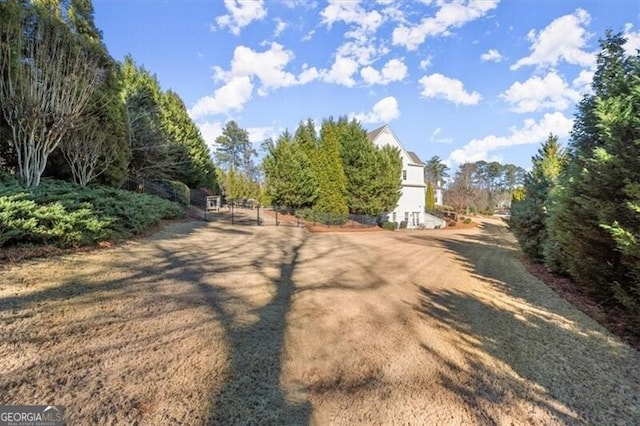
[(412, 156), (372, 135)]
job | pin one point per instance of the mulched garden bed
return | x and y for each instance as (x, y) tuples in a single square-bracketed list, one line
[(613, 319)]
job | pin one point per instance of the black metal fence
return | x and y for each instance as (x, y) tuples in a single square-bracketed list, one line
[(246, 214)]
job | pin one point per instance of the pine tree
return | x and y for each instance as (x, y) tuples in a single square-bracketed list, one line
[(233, 148)]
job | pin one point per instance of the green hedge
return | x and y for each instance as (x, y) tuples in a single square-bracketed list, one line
[(391, 226), (324, 218), (66, 215), (172, 190)]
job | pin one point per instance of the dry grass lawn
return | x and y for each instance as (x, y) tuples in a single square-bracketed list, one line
[(205, 323)]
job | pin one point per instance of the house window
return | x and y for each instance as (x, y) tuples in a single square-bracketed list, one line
[(393, 217), (406, 217), (404, 175)]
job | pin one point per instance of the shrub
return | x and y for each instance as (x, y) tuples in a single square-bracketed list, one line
[(390, 226), (467, 221), (403, 224), (324, 218), (171, 190), (67, 215)]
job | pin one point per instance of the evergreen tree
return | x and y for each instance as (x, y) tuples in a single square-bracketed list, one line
[(153, 154), (196, 168), (289, 181), (529, 214), (389, 181), (234, 148), (596, 192), (329, 172), (360, 162), (435, 171), (429, 199)]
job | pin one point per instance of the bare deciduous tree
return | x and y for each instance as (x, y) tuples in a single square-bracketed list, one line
[(46, 82)]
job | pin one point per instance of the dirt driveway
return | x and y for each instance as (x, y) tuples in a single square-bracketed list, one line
[(204, 323)]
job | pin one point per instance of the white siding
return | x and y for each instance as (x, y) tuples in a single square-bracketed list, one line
[(411, 201)]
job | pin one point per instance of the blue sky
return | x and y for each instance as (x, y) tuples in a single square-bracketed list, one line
[(464, 80)]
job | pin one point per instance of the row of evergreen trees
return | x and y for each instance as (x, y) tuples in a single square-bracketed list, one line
[(337, 171), (580, 214), (69, 110)]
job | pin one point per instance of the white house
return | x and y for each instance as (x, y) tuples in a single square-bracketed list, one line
[(410, 206)]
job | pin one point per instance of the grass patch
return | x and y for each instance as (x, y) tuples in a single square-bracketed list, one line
[(66, 215)]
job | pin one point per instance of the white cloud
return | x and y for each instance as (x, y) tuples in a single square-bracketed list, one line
[(435, 139), (633, 40), (582, 83), (383, 111), (537, 94), (241, 14), (238, 82), (308, 36), (268, 66), (341, 72), (449, 16), (362, 53), (563, 39), (439, 86), (531, 132), (492, 55), (280, 27), (394, 70), (362, 23), (307, 4), (350, 12), (258, 135), (425, 63), (210, 131), (232, 96)]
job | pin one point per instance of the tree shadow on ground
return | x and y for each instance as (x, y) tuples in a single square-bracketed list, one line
[(540, 349), (252, 392)]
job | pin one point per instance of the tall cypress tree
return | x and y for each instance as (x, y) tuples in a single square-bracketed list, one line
[(289, 180), (592, 192), (329, 172), (529, 215)]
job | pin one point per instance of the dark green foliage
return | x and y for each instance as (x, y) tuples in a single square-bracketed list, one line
[(325, 218), (152, 153), (171, 190), (594, 220), (196, 168), (529, 215), (372, 178), (67, 215), (360, 163), (329, 173), (389, 226), (389, 185), (289, 179), (435, 171), (234, 152), (342, 167)]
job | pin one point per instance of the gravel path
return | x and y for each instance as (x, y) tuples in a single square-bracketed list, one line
[(205, 323)]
